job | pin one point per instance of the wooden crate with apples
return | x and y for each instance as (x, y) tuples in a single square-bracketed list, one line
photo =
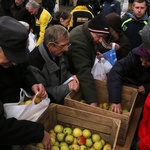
[(129, 95), (107, 127)]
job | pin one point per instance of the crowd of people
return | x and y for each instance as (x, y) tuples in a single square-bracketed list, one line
[(67, 44)]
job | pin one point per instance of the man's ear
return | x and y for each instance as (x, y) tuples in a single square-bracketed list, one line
[(50, 44)]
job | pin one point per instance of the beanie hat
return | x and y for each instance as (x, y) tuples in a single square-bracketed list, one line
[(143, 51), (99, 24), (114, 21), (145, 34), (13, 39)]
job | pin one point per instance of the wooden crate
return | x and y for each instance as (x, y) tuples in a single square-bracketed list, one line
[(107, 127), (129, 95)]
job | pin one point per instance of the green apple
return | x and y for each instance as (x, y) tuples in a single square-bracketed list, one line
[(53, 140), (95, 137), (83, 147), (62, 144), (64, 147), (91, 148), (74, 147), (75, 140), (69, 139), (77, 132), (102, 141), (100, 105), (52, 133), (107, 147), (40, 145), (60, 137), (88, 142), (86, 133), (98, 145), (67, 130), (56, 143), (54, 148), (58, 128)]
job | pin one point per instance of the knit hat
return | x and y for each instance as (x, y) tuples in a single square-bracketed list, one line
[(99, 24), (114, 21), (145, 34), (143, 51), (13, 39)]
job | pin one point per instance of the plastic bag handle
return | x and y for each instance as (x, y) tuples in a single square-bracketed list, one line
[(23, 93), (113, 46)]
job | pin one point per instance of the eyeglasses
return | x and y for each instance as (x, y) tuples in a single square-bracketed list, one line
[(62, 47)]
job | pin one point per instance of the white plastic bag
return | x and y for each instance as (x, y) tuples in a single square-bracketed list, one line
[(56, 8), (30, 111), (32, 41), (100, 69)]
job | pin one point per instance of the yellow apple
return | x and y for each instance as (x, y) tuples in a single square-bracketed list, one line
[(58, 128), (54, 148), (37, 100), (83, 147), (82, 101), (64, 147), (107, 147), (60, 137), (69, 139), (102, 141), (28, 102), (105, 106), (21, 103), (67, 130), (100, 105), (98, 145), (88, 142), (95, 137), (77, 132), (62, 144), (86, 133), (40, 145), (125, 111), (74, 147)]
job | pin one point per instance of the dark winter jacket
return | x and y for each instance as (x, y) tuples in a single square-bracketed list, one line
[(81, 56), (132, 28), (127, 69), (52, 73)]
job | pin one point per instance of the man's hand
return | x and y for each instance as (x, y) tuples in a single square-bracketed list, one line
[(40, 89), (116, 108), (74, 84), (141, 89), (46, 141)]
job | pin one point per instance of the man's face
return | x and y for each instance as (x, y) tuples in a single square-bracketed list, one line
[(57, 49), (97, 37), (145, 62), (32, 11), (18, 2), (4, 62), (139, 9)]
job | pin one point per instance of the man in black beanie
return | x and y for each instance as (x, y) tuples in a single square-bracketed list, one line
[(15, 74), (82, 53)]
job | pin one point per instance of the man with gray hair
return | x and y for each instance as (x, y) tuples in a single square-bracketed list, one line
[(52, 64), (43, 18)]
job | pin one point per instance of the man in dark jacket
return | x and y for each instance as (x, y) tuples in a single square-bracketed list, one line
[(82, 53), (15, 74), (133, 69)]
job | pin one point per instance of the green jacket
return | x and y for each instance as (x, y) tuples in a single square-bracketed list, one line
[(81, 56)]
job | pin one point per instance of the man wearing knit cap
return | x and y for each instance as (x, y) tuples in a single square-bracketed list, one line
[(82, 53), (133, 69), (15, 74)]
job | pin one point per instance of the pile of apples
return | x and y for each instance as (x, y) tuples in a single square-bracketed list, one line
[(107, 106), (66, 138)]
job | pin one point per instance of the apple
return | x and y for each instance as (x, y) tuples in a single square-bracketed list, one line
[(91, 148), (74, 147), (37, 100), (100, 105), (125, 111), (60, 137), (107, 147), (102, 141), (28, 102), (86, 133), (56, 143), (40, 145), (62, 144), (77, 132), (82, 101), (88, 142), (95, 137), (83, 147), (67, 130), (81, 140), (98, 145), (53, 140), (105, 106), (52, 133), (54, 148), (69, 139), (75, 140), (64, 147), (21, 103), (58, 128)]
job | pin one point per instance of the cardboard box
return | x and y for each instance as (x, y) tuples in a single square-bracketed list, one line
[(107, 127), (129, 95)]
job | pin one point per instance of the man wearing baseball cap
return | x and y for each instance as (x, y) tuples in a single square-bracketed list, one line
[(15, 74), (82, 53)]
